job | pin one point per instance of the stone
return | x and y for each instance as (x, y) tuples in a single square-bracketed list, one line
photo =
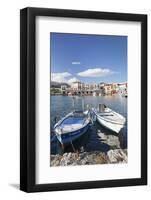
[(117, 156), (88, 158)]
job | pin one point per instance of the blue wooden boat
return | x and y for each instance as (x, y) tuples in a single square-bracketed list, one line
[(72, 126)]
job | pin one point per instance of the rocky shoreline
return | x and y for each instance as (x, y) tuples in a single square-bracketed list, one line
[(112, 153), (89, 158)]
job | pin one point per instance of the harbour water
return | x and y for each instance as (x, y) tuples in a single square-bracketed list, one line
[(93, 139)]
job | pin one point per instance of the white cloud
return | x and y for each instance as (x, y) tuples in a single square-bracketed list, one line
[(76, 63), (60, 77), (64, 77), (96, 72)]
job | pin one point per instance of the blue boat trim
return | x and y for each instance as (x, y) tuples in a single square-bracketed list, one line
[(67, 138)]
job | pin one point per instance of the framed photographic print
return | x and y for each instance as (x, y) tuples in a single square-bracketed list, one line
[(83, 95)]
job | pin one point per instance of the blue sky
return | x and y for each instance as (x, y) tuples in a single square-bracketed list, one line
[(88, 58)]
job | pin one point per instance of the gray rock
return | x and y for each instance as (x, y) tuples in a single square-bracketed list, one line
[(117, 156), (88, 158)]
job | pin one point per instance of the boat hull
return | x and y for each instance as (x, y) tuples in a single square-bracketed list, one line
[(67, 138), (113, 127)]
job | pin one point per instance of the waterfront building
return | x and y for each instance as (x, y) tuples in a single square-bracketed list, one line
[(101, 85), (63, 88), (122, 88), (82, 89), (75, 86), (115, 88), (107, 89)]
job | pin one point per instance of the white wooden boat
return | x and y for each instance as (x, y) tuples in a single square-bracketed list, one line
[(72, 126), (109, 118)]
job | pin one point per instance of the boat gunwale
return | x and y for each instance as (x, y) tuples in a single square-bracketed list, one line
[(68, 115), (74, 130)]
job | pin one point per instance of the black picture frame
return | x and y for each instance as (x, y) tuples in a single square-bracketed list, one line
[(28, 99)]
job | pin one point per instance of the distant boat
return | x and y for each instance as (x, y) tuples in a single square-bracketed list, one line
[(94, 94), (72, 126), (109, 118), (124, 95), (70, 94)]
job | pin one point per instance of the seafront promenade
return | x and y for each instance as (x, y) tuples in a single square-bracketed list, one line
[(82, 89)]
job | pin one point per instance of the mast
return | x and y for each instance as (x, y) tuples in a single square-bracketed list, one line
[(73, 103), (83, 104)]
